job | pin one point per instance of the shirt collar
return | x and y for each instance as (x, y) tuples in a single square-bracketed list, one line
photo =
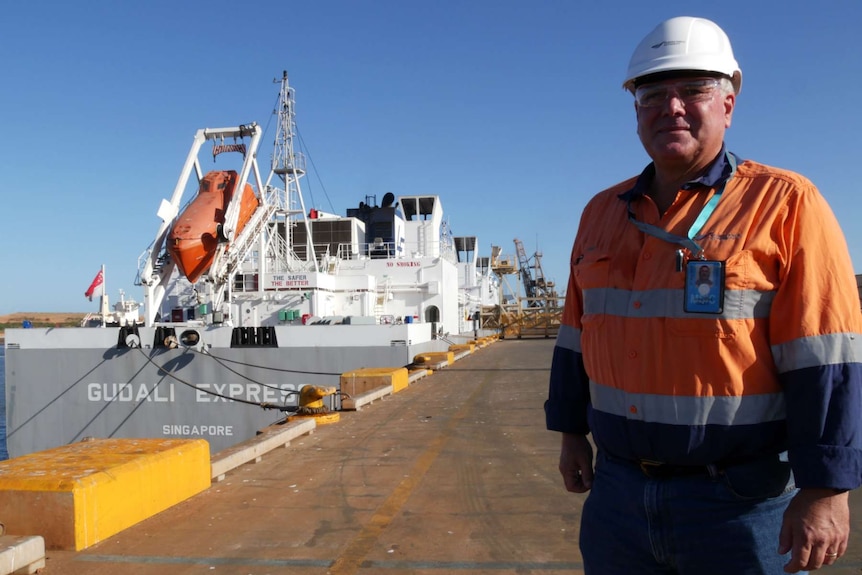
[(717, 173)]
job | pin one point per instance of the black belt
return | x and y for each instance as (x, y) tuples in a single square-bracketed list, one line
[(658, 470), (661, 470)]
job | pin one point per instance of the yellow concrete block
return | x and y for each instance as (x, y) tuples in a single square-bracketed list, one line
[(77, 495), (366, 379), (437, 357), (459, 348), (319, 418)]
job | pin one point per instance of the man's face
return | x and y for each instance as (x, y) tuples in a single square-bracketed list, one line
[(704, 273), (681, 134)]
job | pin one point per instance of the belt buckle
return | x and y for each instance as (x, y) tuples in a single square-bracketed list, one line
[(650, 467)]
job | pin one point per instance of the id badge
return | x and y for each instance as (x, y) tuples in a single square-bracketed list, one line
[(704, 286)]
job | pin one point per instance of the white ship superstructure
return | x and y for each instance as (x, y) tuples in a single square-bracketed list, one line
[(247, 305)]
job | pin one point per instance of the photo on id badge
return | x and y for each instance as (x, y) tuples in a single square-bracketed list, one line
[(704, 286)]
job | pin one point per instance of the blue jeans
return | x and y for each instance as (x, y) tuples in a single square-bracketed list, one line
[(692, 525)]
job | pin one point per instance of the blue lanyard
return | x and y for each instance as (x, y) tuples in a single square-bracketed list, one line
[(699, 222)]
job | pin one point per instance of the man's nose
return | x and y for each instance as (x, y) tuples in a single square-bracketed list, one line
[(674, 103)]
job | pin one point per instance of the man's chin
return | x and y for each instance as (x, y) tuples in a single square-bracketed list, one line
[(673, 154)]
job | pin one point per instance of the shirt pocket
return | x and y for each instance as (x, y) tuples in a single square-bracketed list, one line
[(731, 320), (592, 273)]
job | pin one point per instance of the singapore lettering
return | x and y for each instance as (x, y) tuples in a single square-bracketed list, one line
[(197, 430)]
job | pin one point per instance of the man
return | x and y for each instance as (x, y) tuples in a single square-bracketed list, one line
[(727, 421), (704, 276)]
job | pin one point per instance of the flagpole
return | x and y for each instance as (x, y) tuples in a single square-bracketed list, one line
[(103, 301)]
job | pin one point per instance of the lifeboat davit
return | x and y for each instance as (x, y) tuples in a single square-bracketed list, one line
[(195, 235)]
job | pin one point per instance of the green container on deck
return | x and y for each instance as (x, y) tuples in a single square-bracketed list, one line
[(202, 310), (283, 315)]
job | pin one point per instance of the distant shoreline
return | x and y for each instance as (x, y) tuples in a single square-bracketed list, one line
[(40, 319)]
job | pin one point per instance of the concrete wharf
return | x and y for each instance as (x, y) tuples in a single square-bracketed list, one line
[(455, 474)]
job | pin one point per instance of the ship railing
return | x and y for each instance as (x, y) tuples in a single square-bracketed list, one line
[(296, 262), (347, 251), (87, 320), (446, 337), (143, 259), (274, 195), (326, 262), (276, 247)]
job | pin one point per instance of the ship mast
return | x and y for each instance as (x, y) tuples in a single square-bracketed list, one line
[(289, 165)]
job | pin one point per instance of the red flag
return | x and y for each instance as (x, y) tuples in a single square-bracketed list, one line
[(95, 288)]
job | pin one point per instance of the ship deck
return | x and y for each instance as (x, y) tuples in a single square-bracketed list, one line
[(455, 474)]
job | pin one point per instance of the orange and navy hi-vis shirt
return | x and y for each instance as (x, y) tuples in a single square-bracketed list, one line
[(777, 370)]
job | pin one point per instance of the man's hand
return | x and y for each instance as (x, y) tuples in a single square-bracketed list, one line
[(576, 463), (816, 528)]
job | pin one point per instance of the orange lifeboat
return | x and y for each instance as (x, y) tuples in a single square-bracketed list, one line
[(195, 234)]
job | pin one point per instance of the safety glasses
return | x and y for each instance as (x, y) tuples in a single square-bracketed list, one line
[(688, 91)]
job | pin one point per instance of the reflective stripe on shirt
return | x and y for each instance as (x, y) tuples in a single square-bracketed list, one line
[(738, 304)]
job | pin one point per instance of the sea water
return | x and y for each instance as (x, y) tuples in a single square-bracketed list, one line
[(3, 453)]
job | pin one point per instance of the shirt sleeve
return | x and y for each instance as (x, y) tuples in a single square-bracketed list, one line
[(569, 390), (815, 332)]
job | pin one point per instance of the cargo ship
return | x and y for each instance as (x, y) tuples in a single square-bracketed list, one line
[(248, 297)]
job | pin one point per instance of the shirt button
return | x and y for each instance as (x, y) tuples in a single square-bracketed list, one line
[(636, 305), (633, 409), (633, 354), (647, 255)]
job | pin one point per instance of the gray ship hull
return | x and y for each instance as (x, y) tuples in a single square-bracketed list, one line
[(63, 385)]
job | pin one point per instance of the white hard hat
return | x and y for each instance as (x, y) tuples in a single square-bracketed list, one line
[(684, 44)]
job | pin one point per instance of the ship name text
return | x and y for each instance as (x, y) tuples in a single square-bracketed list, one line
[(249, 392), (204, 392), (130, 392)]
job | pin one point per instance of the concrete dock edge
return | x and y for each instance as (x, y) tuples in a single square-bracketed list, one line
[(252, 449), (21, 554)]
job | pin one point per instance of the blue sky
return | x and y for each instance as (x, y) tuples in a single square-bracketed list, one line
[(511, 111)]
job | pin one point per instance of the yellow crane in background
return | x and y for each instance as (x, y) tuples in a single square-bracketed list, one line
[(535, 313)]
